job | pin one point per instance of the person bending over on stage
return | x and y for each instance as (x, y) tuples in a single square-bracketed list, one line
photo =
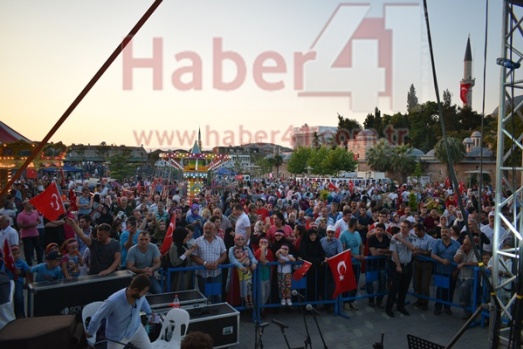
[(122, 313)]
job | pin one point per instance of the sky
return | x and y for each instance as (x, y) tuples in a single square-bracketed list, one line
[(241, 71)]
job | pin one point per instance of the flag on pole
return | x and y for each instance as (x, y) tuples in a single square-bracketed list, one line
[(464, 91), (331, 186), (9, 259), (168, 240), (461, 187), (301, 271), (341, 267), (49, 203)]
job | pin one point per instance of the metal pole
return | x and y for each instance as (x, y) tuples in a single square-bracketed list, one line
[(83, 93)]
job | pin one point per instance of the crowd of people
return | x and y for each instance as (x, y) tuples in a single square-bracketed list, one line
[(390, 230)]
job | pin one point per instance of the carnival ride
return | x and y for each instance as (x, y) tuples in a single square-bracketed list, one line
[(195, 166)]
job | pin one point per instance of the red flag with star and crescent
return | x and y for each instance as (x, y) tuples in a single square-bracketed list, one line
[(341, 267), (49, 202), (9, 259), (464, 91), (168, 240), (301, 271)]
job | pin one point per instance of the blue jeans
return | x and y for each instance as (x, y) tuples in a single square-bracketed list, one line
[(465, 294), (19, 299), (155, 286)]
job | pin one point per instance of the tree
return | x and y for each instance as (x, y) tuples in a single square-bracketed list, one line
[(456, 151), (120, 167), (420, 122), (412, 100), (379, 157), (265, 165), (316, 160), (298, 162), (316, 140), (337, 160), (447, 97), (278, 161), (374, 122), (102, 151), (402, 161)]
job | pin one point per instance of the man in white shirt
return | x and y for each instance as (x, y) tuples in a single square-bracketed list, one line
[(7, 232), (243, 224)]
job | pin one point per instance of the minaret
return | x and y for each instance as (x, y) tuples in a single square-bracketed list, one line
[(199, 139), (467, 75)]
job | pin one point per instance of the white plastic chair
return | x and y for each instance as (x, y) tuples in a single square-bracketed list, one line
[(87, 312), (7, 310), (174, 328)]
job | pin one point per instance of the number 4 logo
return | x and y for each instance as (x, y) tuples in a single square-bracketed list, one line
[(355, 55)]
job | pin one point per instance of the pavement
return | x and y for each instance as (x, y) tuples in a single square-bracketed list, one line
[(364, 328)]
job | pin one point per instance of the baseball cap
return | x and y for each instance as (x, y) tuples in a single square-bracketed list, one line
[(54, 256), (331, 228), (411, 219), (491, 214)]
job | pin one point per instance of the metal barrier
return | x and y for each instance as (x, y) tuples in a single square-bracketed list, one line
[(317, 286)]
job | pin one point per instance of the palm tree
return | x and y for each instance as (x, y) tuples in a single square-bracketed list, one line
[(456, 151), (379, 157), (403, 162), (278, 161)]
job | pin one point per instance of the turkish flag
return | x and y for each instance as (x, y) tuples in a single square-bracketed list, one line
[(447, 183), (300, 273), (351, 186), (168, 240), (464, 91), (9, 260), (72, 200), (341, 267), (49, 203), (461, 187), (331, 186)]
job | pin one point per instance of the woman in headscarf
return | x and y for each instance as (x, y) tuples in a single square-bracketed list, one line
[(312, 251), (194, 218), (180, 257), (105, 216)]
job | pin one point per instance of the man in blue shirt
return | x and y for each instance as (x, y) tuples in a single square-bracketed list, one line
[(443, 251), (122, 313), (351, 240)]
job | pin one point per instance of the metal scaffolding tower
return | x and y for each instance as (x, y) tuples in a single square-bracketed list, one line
[(505, 319)]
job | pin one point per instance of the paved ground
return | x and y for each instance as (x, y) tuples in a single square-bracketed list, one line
[(364, 328)]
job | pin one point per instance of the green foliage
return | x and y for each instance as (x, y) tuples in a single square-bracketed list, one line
[(316, 160), (265, 165), (418, 171), (323, 161), (402, 161), (375, 122), (120, 166), (412, 100), (379, 157), (413, 202), (456, 151), (298, 161)]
